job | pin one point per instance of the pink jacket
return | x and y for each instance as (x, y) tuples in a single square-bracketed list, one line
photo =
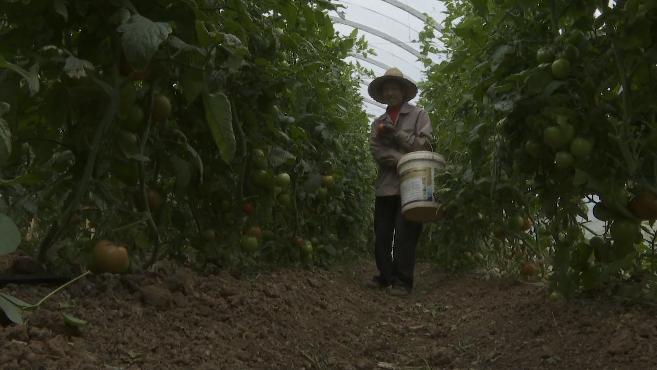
[(413, 132)]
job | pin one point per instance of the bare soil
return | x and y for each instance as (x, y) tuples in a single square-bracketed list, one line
[(302, 319)]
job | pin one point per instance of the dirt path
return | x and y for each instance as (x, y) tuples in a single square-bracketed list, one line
[(296, 319)]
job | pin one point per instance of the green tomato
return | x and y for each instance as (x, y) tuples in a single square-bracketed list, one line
[(260, 163), (602, 213), (553, 137), (555, 296), (581, 148), (328, 180), (625, 232), (282, 180), (307, 248), (161, 109), (259, 160), (257, 153), (544, 55), (133, 118), (284, 199), (262, 178), (564, 160), (561, 68), (517, 222), (249, 244)]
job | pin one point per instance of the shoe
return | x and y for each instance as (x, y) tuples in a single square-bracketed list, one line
[(376, 283), (399, 290)]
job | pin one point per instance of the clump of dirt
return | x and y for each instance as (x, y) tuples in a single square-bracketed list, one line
[(303, 319)]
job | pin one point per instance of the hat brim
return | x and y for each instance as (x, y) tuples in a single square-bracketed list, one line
[(376, 86)]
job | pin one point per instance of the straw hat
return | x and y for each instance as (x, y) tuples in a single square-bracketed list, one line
[(393, 74)]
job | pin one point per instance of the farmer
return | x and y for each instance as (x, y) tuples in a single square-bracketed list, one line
[(402, 129)]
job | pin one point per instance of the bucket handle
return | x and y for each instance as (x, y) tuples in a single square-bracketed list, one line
[(430, 142)]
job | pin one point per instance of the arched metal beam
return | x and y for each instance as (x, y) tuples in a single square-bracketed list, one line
[(373, 102), (383, 53), (378, 33), (412, 11), (376, 63), (341, 14), (370, 60)]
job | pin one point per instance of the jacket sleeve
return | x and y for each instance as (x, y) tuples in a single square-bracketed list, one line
[(383, 153), (420, 138)]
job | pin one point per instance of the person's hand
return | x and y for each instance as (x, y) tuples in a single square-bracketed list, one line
[(384, 129)]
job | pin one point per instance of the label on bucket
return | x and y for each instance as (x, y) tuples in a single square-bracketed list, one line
[(417, 187)]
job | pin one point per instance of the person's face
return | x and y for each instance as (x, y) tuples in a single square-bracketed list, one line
[(393, 93)]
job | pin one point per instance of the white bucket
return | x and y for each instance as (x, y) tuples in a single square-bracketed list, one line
[(417, 171)]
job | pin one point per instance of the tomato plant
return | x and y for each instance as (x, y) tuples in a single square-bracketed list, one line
[(546, 108), (170, 126)]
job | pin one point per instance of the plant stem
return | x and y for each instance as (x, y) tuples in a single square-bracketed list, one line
[(56, 228), (589, 229), (127, 226), (240, 130), (624, 84), (142, 184), (60, 288), (59, 143), (194, 211), (555, 17)]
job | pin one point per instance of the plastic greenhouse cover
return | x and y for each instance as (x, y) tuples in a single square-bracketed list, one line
[(391, 28)]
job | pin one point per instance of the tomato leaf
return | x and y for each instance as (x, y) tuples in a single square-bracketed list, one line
[(220, 119), (141, 38), (17, 302), (77, 68), (202, 34), (552, 87), (60, 8), (279, 156), (499, 55), (12, 311), (183, 46), (73, 321), (27, 179), (236, 50), (504, 105), (30, 76), (10, 237)]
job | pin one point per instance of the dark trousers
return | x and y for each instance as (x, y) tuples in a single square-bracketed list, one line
[(391, 228)]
